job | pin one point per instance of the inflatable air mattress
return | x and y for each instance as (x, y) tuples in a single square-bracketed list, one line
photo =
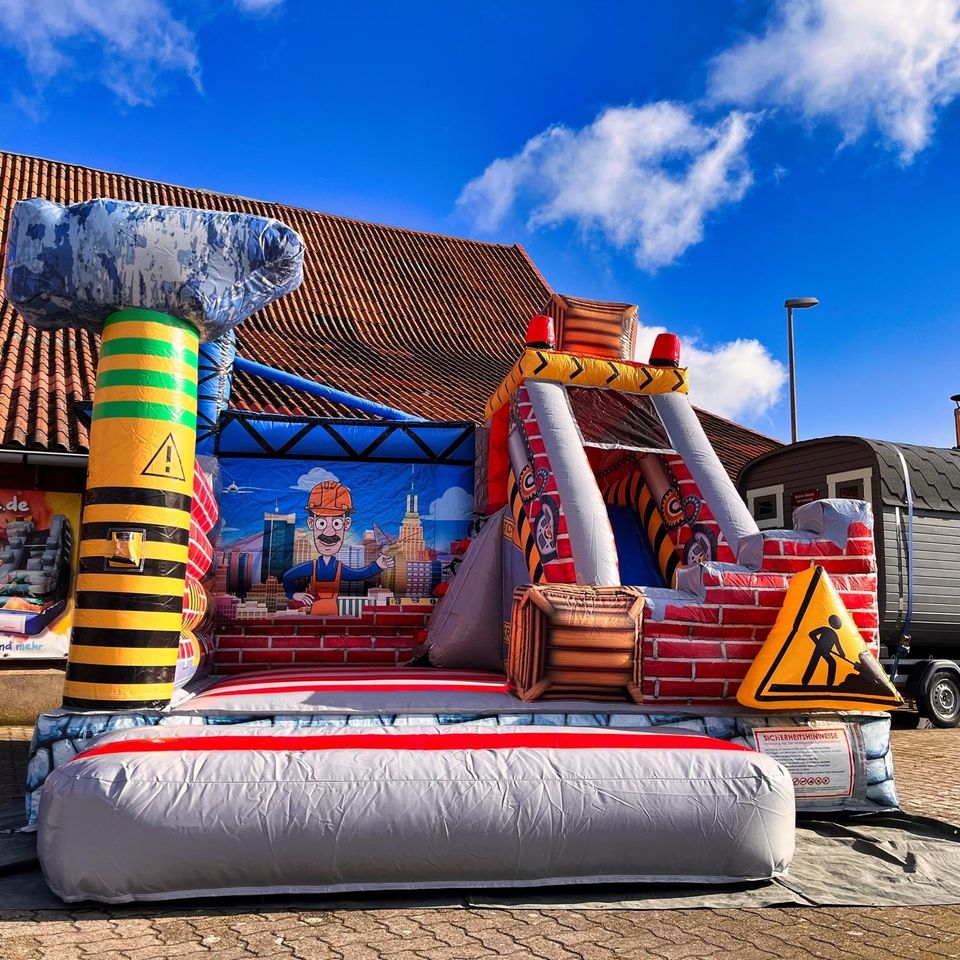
[(386, 689), (213, 811)]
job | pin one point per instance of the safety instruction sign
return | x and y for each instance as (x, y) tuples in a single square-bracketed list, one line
[(820, 759), (814, 655)]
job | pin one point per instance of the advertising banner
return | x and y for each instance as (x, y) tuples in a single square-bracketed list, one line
[(335, 538), (38, 559)]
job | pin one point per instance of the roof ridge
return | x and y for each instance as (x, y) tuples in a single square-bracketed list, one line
[(526, 256), (278, 203), (925, 447)]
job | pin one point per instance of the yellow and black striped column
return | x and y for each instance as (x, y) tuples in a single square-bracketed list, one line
[(525, 538), (136, 518)]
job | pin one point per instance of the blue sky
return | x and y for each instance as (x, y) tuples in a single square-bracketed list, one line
[(704, 159)]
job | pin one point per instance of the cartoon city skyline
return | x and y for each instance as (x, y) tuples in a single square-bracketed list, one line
[(249, 577)]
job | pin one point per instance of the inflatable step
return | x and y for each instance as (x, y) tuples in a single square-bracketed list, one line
[(199, 811)]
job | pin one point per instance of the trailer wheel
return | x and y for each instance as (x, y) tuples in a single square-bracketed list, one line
[(941, 703)]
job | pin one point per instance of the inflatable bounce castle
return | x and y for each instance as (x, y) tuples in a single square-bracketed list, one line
[(577, 658)]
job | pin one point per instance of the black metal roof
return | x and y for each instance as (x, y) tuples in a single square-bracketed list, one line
[(934, 475), (934, 471)]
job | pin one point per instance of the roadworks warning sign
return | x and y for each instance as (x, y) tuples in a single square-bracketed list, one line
[(815, 656)]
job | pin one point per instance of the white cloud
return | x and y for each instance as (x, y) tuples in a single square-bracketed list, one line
[(257, 6), (131, 42), (645, 177), (310, 479), (738, 379), (863, 64), (455, 504)]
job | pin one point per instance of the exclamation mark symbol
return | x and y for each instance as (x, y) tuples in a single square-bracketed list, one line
[(165, 462)]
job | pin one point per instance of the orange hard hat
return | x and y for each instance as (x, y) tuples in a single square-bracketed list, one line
[(330, 499)]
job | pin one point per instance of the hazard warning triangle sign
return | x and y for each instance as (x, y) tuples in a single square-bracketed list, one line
[(815, 656), (166, 462)]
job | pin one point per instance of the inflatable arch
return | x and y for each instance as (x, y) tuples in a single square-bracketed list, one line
[(152, 281)]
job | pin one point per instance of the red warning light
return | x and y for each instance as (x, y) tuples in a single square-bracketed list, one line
[(541, 333), (666, 351)]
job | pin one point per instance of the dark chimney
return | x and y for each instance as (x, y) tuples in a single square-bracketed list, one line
[(956, 419)]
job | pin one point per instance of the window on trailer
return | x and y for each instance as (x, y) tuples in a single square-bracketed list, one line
[(850, 485), (766, 505)]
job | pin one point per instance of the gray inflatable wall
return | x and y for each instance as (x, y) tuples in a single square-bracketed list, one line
[(465, 629), (193, 811), (591, 538), (687, 437)]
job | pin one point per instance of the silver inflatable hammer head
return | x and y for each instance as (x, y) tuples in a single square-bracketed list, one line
[(75, 265)]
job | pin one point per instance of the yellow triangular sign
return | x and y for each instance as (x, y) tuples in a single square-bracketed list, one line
[(815, 656), (166, 462)]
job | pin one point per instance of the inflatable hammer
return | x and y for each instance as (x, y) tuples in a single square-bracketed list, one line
[(153, 281)]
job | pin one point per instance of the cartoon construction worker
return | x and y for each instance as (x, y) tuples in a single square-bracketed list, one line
[(827, 647), (329, 506)]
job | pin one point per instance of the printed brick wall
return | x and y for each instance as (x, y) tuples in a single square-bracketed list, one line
[(381, 635), (688, 488), (558, 567), (698, 645)]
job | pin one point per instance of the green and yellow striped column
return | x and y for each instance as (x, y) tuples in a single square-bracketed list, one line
[(136, 518)]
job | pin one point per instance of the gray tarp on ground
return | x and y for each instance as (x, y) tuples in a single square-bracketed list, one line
[(858, 860), (865, 860), (310, 816)]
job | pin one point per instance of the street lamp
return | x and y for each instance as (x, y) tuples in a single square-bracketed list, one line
[(800, 303)]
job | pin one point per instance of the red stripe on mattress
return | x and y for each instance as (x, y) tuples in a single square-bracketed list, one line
[(364, 686), (377, 740), (347, 679), (345, 673)]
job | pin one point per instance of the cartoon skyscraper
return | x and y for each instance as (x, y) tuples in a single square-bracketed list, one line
[(303, 547), (412, 545), (278, 531)]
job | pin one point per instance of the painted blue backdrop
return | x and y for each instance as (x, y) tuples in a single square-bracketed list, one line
[(412, 514)]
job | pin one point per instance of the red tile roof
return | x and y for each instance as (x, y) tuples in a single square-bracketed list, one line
[(422, 322), (736, 445)]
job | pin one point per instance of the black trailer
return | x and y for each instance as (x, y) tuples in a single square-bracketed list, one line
[(915, 495)]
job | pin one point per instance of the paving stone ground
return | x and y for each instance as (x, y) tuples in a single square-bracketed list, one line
[(928, 776)]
